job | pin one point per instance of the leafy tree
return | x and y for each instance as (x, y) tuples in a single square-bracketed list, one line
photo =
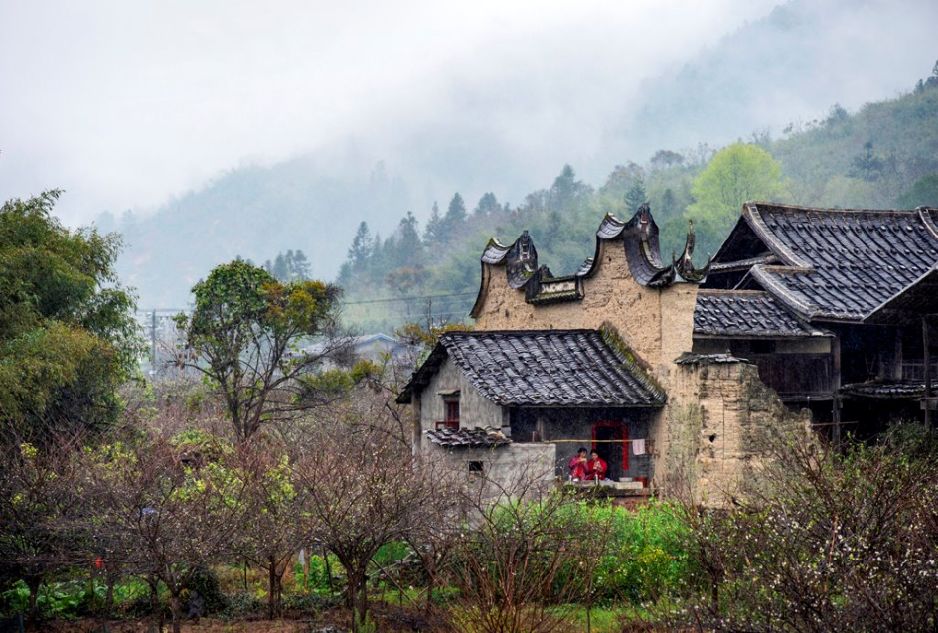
[(664, 159), (736, 174), (244, 335), (67, 334), (923, 193)]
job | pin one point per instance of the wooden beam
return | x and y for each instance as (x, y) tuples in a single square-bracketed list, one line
[(835, 388), (926, 345), (897, 356)]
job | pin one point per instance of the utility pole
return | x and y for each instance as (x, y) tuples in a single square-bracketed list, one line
[(153, 341)]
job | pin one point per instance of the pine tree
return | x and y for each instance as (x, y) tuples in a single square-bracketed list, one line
[(488, 204), (635, 196), (362, 246), (432, 233), (301, 267), (280, 271)]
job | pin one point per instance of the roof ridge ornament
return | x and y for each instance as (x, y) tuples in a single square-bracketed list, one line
[(684, 265)]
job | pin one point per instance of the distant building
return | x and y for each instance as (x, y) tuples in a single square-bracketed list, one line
[(676, 375)]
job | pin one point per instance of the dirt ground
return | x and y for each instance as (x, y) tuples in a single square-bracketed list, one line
[(388, 620)]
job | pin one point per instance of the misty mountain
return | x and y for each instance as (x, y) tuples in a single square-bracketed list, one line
[(787, 67)]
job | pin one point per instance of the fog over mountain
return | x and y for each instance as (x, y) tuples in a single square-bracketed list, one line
[(230, 130)]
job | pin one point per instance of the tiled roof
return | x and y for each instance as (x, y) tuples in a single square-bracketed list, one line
[(885, 389), (746, 313), (541, 368), (468, 438), (838, 264), (688, 358)]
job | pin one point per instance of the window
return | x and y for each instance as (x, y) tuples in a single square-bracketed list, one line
[(451, 415), (476, 467)]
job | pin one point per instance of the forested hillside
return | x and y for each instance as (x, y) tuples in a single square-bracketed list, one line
[(885, 155)]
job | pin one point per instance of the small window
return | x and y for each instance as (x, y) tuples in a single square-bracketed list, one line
[(451, 417), (476, 467)]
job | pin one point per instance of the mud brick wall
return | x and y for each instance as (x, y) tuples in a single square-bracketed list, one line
[(721, 421)]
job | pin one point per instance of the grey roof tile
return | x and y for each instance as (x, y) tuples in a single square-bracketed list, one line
[(841, 264), (746, 313), (541, 368), (468, 438)]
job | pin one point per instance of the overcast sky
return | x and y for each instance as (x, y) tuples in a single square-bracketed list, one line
[(126, 103)]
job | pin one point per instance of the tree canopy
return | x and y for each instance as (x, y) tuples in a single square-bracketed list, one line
[(67, 334), (735, 174), (245, 333)]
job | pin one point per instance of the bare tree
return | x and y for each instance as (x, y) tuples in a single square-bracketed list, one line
[(169, 510), (38, 503), (363, 489), (274, 529), (528, 554), (827, 542)]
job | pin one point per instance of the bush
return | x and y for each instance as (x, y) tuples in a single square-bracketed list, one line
[(646, 557)]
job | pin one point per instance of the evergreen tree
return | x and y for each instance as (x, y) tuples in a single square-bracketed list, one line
[(280, 271), (432, 233), (488, 204), (636, 195), (567, 191), (301, 267), (456, 213), (409, 248), (362, 246)]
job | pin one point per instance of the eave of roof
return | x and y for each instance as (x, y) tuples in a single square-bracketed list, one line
[(567, 368), (845, 265), (747, 314)]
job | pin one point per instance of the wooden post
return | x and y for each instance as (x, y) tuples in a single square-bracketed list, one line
[(835, 388), (927, 361), (897, 356)]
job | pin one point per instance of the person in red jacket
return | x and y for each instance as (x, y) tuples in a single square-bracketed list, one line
[(596, 467), (577, 465)]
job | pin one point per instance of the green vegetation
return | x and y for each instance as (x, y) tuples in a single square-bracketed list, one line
[(67, 339)]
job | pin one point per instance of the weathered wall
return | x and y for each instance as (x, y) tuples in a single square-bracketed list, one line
[(656, 324), (720, 428), (474, 410), (505, 465)]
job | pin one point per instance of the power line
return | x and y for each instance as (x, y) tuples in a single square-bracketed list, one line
[(388, 300)]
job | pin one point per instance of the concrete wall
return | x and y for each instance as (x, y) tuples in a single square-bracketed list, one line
[(505, 465)]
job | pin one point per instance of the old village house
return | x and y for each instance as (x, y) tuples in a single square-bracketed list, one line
[(804, 317)]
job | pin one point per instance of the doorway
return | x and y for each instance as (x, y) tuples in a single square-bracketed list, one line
[(609, 442)]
